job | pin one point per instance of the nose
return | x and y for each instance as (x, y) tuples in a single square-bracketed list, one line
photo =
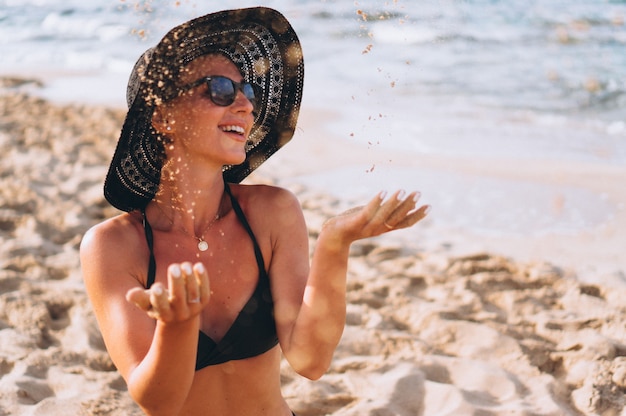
[(242, 103)]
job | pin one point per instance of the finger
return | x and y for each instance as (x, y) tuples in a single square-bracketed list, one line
[(202, 278), (177, 289), (139, 297), (406, 206), (396, 208), (160, 303), (191, 284), (370, 210), (413, 217)]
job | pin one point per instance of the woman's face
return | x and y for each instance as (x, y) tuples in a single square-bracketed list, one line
[(199, 128)]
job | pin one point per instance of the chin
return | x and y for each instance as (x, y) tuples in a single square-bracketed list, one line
[(238, 159)]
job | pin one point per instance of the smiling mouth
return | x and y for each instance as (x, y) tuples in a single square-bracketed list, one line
[(234, 129)]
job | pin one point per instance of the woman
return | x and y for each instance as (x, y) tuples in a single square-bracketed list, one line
[(202, 283)]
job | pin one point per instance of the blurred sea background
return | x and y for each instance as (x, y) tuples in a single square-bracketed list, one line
[(532, 81)]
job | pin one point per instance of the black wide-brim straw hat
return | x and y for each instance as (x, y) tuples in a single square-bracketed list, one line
[(261, 42)]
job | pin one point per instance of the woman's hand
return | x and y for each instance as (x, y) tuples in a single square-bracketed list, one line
[(187, 294), (377, 217)]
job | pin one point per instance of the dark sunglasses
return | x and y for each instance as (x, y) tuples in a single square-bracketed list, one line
[(223, 90)]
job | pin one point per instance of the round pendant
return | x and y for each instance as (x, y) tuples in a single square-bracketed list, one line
[(203, 245)]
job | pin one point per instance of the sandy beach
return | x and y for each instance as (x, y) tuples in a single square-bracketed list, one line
[(442, 319)]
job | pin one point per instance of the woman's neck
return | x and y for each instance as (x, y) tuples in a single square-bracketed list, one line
[(190, 202)]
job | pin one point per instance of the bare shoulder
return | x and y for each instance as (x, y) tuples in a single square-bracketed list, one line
[(110, 244), (273, 212), (266, 198), (117, 231)]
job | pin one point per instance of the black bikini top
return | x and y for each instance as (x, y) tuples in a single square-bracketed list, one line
[(254, 330)]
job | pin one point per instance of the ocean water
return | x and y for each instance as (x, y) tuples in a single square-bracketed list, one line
[(521, 79), (548, 60)]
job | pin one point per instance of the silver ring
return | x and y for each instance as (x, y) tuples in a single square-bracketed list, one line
[(389, 227)]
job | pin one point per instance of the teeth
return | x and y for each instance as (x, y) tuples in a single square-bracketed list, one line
[(236, 129)]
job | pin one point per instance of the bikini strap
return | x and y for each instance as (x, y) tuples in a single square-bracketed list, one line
[(150, 240), (246, 225), (240, 215)]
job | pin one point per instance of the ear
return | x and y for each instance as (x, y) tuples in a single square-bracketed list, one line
[(161, 122)]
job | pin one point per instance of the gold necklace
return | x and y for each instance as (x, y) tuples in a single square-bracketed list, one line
[(202, 244)]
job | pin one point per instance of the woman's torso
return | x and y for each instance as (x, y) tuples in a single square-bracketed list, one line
[(246, 386)]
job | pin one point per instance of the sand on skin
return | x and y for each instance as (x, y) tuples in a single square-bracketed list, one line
[(429, 331)]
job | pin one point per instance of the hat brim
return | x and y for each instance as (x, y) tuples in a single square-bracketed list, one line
[(262, 43)]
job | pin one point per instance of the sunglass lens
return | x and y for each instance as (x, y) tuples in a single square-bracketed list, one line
[(222, 91), (248, 91)]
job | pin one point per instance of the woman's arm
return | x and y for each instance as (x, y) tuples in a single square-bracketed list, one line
[(151, 335), (310, 304)]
